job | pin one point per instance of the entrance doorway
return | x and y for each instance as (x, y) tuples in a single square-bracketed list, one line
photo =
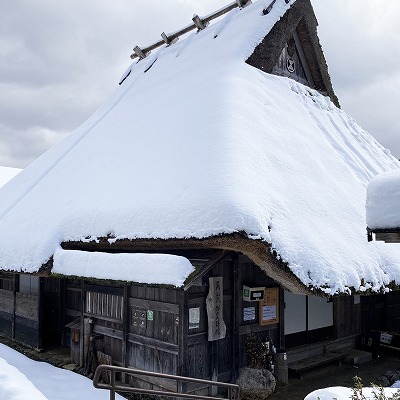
[(308, 319)]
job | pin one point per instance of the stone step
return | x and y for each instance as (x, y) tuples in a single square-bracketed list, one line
[(358, 357)]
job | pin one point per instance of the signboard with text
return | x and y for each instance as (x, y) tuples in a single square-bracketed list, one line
[(269, 307)]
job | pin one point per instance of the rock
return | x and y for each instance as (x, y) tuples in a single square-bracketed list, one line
[(383, 381), (392, 376), (70, 367), (256, 384)]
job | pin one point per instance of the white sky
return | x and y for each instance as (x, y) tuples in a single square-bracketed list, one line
[(60, 60)]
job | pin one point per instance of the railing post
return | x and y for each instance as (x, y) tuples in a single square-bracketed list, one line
[(112, 391)]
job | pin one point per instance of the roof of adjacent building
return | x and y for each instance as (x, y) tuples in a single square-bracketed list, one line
[(383, 198)]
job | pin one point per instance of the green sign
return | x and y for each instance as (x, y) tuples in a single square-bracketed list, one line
[(150, 315)]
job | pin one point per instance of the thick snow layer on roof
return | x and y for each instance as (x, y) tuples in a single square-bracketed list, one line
[(6, 173), (197, 143), (141, 268), (383, 201)]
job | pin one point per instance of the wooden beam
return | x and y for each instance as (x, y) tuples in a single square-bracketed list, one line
[(209, 265), (153, 343), (154, 305), (103, 330), (200, 24), (139, 52), (391, 235), (168, 41)]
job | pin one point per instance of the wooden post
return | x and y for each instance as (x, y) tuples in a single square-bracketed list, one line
[(82, 330), (14, 305), (125, 328), (40, 306), (62, 307), (236, 315), (182, 337), (281, 326)]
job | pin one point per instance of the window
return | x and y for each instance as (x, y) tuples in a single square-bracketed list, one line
[(29, 284), (106, 305), (6, 281)]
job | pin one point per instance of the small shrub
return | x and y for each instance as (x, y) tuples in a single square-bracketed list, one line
[(258, 352), (377, 391)]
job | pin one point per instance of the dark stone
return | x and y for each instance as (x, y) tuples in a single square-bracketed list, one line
[(383, 381), (256, 384), (392, 376)]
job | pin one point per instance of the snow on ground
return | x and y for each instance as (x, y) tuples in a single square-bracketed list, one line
[(6, 173), (196, 143), (344, 393), (24, 379), (165, 268), (383, 201)]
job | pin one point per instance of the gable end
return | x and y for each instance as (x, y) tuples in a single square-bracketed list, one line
[(298, 25)]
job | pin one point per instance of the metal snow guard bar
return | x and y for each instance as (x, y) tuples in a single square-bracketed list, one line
[(199, 23), (113, 386)]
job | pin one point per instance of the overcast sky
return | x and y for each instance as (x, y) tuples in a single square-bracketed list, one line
[(60, 60)]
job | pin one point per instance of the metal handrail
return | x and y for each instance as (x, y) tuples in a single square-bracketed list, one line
[(113, 386)]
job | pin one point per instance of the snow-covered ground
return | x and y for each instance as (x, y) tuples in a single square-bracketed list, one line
[(24, 379), (344, 393)]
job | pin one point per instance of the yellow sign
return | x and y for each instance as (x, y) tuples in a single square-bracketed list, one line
[(269, 307)]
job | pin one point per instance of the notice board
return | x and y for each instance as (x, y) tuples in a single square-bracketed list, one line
[(269, 307)]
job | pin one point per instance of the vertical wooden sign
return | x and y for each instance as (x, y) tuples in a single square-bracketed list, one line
[(269, 307), (215, 309)]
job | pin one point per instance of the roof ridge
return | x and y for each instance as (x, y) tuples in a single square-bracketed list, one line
[(199, 23)]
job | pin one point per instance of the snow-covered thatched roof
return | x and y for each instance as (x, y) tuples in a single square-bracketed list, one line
[(7, 173), (197, 144)]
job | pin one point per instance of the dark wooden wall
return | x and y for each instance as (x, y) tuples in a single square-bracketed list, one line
[(251, 275), (27, 319), (153, 338), (6, 312), (347, 316), (151, 329), (222, 359), (19, 312), (211, 359)]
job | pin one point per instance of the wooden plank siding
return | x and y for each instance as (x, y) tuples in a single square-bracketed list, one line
[(7, 300), (27, 319), (153, 333), (346, 316)]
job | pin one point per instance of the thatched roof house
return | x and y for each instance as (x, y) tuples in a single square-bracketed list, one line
[(197, 148)]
